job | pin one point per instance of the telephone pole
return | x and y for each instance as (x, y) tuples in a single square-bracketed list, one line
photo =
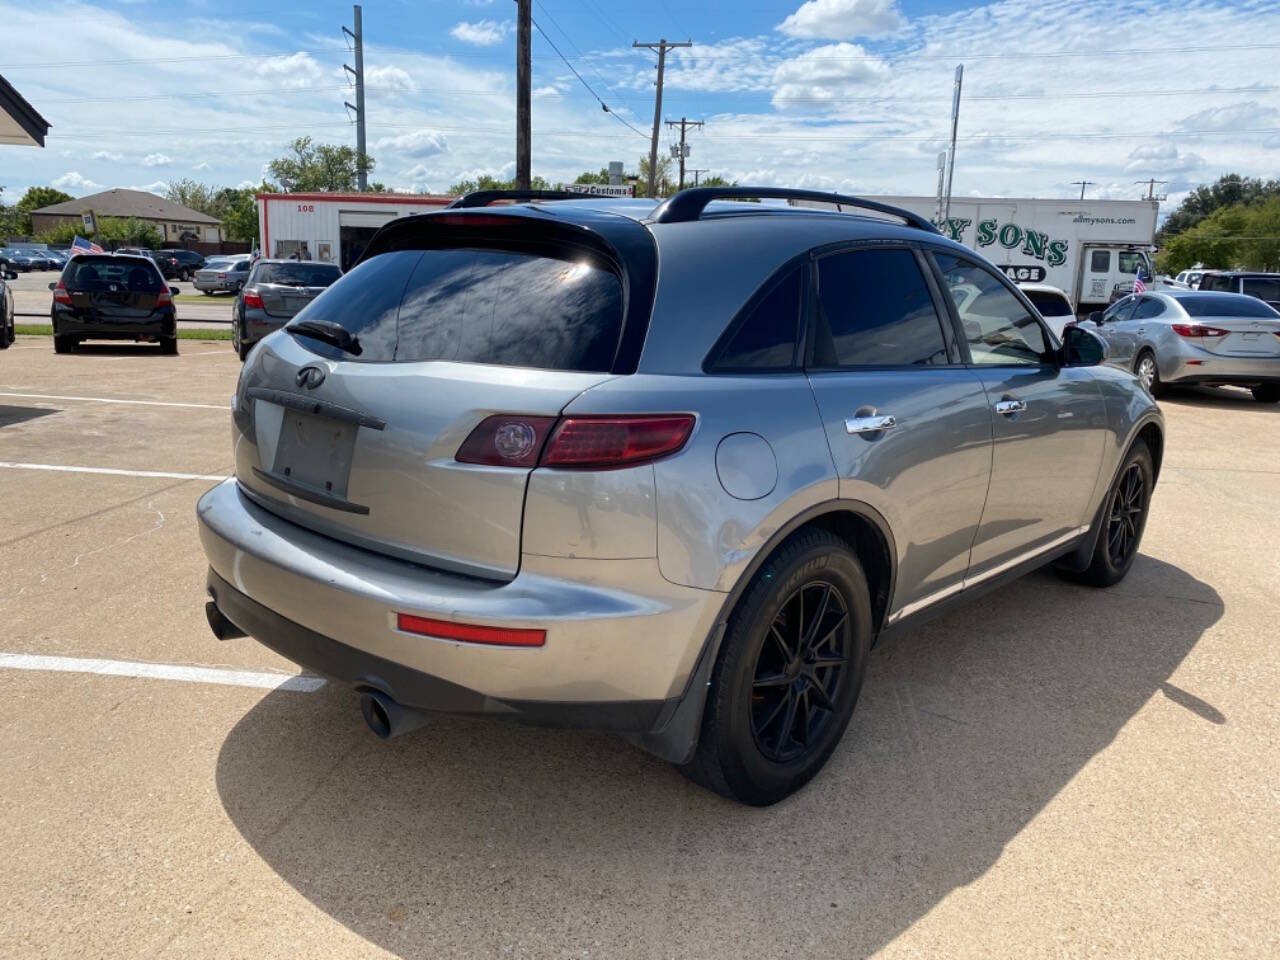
[(357, 40), (662, 46), (683, 150), (1151, 187), (955, 123), (524, 75), (1082, 184), (695, 173)]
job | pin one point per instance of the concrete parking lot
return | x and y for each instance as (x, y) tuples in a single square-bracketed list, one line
[(1048, 771)]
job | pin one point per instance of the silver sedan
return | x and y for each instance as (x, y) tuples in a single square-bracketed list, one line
[(1193, 337)]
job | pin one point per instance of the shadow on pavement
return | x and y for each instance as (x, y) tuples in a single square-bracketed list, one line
[(114, 350), (473, 838), (1221, 398), (12, 415)]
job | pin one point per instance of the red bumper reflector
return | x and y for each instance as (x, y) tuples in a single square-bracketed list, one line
[(469, 633)]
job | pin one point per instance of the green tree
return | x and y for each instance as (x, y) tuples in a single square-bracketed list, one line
[(1226, 191), (485, 182), (34, 199), (663, 185), (320, 167), (1244, 235), (715, 180), (597, 178), (196, 196)]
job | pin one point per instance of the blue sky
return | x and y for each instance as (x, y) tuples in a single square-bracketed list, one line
[(838, 94)]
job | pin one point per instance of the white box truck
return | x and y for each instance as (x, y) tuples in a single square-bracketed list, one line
[(1087, 248)]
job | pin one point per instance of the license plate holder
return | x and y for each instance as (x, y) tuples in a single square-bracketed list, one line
[(316, 452)]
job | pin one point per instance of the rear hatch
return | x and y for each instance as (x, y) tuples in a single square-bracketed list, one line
[(285, 288), (456, 317), (1233, 325), (113, 288)]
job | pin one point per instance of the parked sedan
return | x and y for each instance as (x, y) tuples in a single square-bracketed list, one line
[(222, 276), (275, 291), (629, 467), (14, 261), (113, 297), (1195, 337)]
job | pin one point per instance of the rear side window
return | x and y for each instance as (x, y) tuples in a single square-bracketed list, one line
[(875, 309), (297, 274), (1147, 308), (1264, 288), (1238, 306), (511, 308), (1049, 304), (1219, 283), (765, 339), (101, 273)]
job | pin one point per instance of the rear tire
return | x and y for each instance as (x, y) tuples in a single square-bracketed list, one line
[(1148, 373), (786, 679), (184, 276), (169, 346), (7, 336), (1123, 520), (63, 343), (1267, 393)]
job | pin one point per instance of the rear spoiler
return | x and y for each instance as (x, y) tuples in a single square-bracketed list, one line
[(482, 198)]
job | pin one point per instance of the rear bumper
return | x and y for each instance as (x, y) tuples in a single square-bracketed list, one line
[(621, 641), (114, 329), (258, 324), (1212, 368), (225, 286)]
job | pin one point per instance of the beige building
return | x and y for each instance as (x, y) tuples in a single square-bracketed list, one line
[(179, 224)]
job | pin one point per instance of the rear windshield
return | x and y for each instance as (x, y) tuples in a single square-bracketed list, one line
[(1227, 306), (99, 273), (500, 307), (1049, 304), (297, 274)]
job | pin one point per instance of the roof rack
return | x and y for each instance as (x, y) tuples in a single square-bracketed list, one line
[(482, 198), (689, 204)]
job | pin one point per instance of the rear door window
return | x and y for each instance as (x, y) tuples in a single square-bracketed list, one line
[(765, 339), (1148, 307), (1049, 304), (875, 309)]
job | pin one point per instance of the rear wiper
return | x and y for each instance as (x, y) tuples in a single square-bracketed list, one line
[(329, 332)]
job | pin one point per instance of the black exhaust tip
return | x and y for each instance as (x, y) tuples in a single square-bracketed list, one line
[(222, 628), (385, 718)]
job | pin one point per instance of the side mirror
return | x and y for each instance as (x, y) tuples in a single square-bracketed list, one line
[(1096, 318), (175, 291), (52, 286), (1082, 348)]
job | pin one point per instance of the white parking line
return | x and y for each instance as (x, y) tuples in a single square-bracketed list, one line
[(112, 471), (142, 403), (163, 671)]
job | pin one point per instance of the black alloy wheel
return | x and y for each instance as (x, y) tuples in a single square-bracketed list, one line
[(799, 671), (1128, 507)]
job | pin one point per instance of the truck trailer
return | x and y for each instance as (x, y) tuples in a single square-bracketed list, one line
[(1090, 249)]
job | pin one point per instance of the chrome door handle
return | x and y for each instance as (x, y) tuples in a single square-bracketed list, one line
[(869, 424), (1010, 407)]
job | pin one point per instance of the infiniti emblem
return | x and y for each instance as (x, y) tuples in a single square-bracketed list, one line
[(309, 377)]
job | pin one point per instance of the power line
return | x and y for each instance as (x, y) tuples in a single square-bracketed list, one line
[(604, 106), (133, 60)]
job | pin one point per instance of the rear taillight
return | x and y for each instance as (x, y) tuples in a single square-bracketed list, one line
[(616, 441), (222, 276), (60, 294), (253, 299), (595, 442), (470, 633), (1197, 330)]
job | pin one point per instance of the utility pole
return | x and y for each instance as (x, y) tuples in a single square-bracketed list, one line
[(1151, 187), (524, 78), (695, 173), (955, 123), (683, 150), (662, 46), (1087, 183), (357, 39)]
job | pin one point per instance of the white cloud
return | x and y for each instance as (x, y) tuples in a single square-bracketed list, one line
[(107, 155), (1249, 115), (292, 71), (1162, 159), (843, 19), (202, 165), (419, 143), (158, 187), (72, 182), (156, 160), (826, 74), (482, 33), (547, 92), (388, 79)]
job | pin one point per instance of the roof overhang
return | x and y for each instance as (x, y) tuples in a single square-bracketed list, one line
[(20, 124)]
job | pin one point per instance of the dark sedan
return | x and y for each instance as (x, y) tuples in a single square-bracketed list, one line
[(113, 297), (275, 291)]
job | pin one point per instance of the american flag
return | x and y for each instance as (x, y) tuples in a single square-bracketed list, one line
[(1138, 285), (81, 245)]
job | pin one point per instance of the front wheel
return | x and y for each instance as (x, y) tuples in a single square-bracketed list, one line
[(788, 673), (1267, 393), (63, 343), (184, 276), (1148, 373), (169, 346), (1123, 520)]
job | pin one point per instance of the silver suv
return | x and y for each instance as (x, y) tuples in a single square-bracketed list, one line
[(666, 471)]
